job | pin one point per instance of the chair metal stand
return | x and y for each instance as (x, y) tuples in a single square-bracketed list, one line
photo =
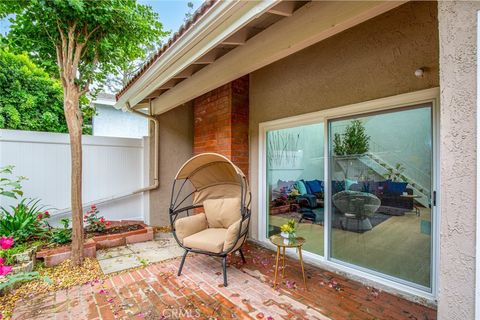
[(181, 264)]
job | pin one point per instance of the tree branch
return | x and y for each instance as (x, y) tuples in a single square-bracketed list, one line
[(88, 35), (60, 63), (64, 46), (86, 87), (71, 46), (76, 59)]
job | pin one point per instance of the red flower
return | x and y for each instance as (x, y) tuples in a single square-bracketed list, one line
[(93, 207), (102, 220), (107, 223), (39, 216), (47, 214)]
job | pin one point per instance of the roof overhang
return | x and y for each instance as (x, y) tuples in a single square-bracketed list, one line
[(220, 22), (173, 79)]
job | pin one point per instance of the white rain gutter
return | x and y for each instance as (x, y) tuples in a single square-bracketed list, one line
[(156, 135)]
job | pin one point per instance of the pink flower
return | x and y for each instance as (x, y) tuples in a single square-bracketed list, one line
[(6, 243), (1, 261), (107, 223), (39, 216), (102, 220), (4, 270), (93, 207)]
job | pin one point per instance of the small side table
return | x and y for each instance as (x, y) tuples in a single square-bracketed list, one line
[(281, 244), (413, 196)]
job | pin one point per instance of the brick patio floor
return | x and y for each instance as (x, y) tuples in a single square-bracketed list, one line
[(155, 292)]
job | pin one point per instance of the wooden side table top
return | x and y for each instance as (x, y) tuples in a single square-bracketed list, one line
[(279, 241)]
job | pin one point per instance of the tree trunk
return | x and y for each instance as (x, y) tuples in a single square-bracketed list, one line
[(74, 120)]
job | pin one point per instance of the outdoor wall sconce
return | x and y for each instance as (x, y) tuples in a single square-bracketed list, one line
[(419, 72)]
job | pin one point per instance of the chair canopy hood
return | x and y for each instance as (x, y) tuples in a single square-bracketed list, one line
[(213, 176)]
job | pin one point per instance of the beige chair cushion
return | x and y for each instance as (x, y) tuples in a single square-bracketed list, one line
[(232, 234), (187, 226), (223, 212), (211, 240)]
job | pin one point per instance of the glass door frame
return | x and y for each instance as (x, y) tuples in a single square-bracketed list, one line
[(326, 116)]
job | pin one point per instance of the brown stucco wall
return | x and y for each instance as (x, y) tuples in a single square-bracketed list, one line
[(372, 60), (176, 146), (458, 72)]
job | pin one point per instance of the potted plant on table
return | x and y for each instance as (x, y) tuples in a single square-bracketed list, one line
[(288, 230)]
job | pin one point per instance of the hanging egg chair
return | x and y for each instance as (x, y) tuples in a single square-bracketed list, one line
[(210, 208)]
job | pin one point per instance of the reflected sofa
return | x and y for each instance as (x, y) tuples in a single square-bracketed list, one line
[(310, 195)]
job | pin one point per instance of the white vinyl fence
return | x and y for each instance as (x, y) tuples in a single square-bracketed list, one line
[(112, 169)]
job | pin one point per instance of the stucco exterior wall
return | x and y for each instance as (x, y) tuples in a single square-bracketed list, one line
[(458, 72), (372, 60), (176, 147)]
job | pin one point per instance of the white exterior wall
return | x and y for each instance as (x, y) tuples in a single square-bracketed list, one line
[(111, 166), (111, 122)]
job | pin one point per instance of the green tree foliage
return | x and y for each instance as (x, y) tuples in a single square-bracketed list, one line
[(108, 33), (82, 41), (353, 141), (30, 99)]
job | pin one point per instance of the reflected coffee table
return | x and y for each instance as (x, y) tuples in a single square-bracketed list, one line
[(282, 244)]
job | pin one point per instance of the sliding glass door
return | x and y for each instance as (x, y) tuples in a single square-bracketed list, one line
[(381, 173), (360, 189)]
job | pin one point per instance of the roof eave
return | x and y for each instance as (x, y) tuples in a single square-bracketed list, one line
[(222, 20)]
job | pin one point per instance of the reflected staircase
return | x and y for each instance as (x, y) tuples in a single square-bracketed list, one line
[(381, 167)]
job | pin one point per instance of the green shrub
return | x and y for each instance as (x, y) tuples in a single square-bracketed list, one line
[(62, 235), (30, 99), (25, 222)]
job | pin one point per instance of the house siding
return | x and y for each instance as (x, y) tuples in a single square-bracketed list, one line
[(176, 147), (458, 75)]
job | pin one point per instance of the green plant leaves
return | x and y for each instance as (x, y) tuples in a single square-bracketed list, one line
[(21, 221), (353, 141), (62, 235), (21, 277)]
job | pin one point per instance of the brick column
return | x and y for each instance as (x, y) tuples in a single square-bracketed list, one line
[(221, 122)]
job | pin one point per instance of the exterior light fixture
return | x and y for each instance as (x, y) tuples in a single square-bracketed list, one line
[(419, 72)]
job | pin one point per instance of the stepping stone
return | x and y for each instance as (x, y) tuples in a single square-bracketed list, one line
[(160, 255), (119, 263), (113, 252)]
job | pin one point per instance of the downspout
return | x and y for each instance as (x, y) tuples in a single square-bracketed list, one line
[(155, 146)]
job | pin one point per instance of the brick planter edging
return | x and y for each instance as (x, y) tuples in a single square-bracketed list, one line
[(55, 256)]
